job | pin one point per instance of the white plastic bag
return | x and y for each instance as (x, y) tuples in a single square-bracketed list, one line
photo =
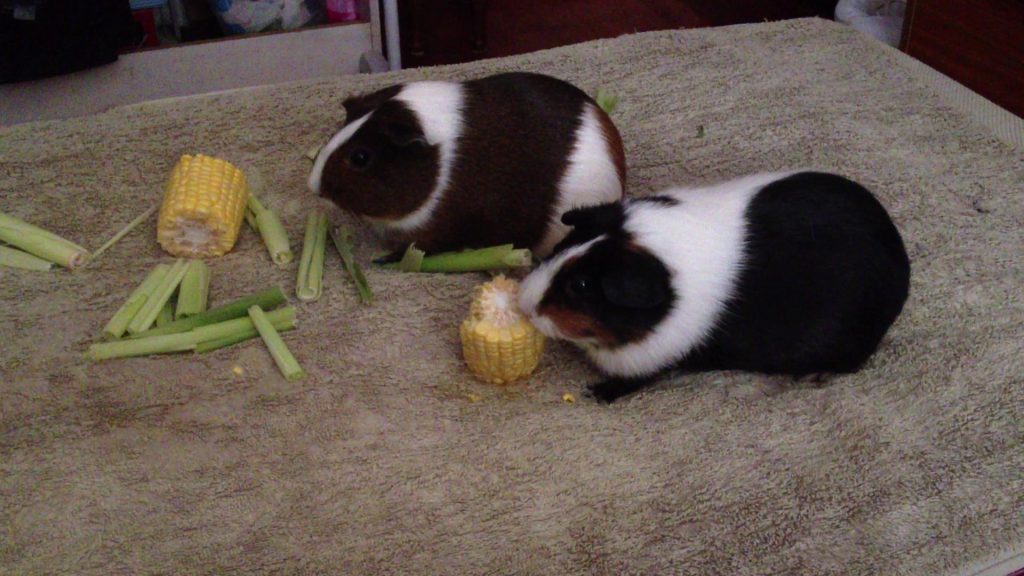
[(882, 19)]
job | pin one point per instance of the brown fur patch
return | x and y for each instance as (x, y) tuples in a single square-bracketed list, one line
[(577, 325)]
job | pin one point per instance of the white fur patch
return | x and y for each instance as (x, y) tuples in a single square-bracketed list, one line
[(700, 240), (534, 286), (590, 178), (336, 141), (438, 106)]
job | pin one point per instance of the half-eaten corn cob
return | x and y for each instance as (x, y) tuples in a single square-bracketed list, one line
[(498, 343), (203, 207)]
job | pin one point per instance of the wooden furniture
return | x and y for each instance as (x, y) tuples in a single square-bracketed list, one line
[(979, 43), (450, 31)]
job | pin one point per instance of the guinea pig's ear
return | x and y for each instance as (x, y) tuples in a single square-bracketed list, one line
[(402, 134), (601, 217), (641, 281)]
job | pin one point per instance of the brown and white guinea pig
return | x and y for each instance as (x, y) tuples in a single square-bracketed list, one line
[(452, 165), (795, 273)]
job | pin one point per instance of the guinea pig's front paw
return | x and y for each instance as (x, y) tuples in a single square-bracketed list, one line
[(612, 389)]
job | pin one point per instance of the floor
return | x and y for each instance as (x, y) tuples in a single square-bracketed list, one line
[(188, 69)]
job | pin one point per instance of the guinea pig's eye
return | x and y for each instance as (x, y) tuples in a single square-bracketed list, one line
[(360, 158), (579, 286)]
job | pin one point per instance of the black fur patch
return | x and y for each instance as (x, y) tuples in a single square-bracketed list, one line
[(657, 199), (826, 276), (624, 289)]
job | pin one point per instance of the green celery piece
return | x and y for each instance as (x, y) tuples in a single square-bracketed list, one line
[(14, 258), (278, 349), (412, 260), (267, 299), (281, 325), (41, 243), (166, 315), (342, 238), (194, 291), (161, 294), (480, 260), (606, 101), (309, 284), (183, 341), (268, 224), (118, 324)]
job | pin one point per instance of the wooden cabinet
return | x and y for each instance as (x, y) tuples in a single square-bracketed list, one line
[(979, 43)]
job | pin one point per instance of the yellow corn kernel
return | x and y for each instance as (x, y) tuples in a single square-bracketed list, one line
[(203, 208), (498, 343)]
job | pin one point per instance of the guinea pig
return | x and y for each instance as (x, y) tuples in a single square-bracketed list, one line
[(789, 273), (452, 165)]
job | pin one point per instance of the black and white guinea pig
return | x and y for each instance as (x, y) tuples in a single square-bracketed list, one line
[(797, 273), (491, 161)]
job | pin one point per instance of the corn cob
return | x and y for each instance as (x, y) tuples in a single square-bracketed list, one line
[(203, 207), (498, 343)]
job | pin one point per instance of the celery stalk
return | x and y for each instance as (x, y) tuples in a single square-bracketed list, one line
[(143, 346), (182, 341), (411, 261), (14, 258), (484, 259), (166, 315), (282, 325), (309, 284), (124, 232), (161, 294), (278, 350), (342, 238), (194, 290), (267, 223), (606, 101), (41, 243), (267, 299), (119, 323), (250, 219), (229, 328)]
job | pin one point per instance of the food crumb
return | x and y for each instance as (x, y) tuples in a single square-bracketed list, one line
[(474, 397), (568, 398), (237, 370)]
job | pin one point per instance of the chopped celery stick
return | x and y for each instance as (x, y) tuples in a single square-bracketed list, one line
[(342, 238), (124, 231), (267, 223), (194, 290), (161, 294), (143, 346), (282, 356), (166, 315), (179, 342), (41, 243), (117, 325), (14, 258), (481, 260), (238, 325), (250, 219), (281, 324), (267, 299), (606, 101), (309, 284), (411, 261)]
